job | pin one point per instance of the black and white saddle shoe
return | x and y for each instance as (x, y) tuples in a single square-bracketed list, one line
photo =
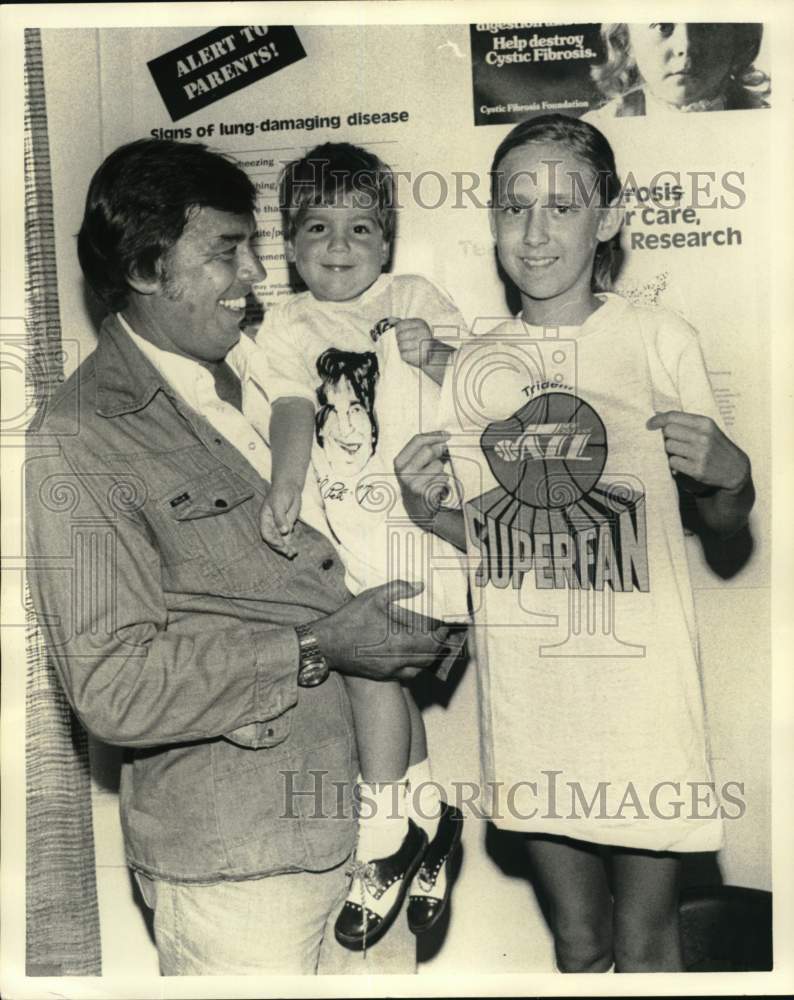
[(377, 892), (430, 889)]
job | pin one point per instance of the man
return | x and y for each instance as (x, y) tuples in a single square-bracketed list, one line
[(180, 634)]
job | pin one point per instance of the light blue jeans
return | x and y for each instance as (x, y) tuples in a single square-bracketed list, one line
[(283, 924)]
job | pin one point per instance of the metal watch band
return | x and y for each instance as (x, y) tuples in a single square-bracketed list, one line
[(314, 667)]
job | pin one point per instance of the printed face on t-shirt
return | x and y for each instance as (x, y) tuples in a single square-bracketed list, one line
[(346, 433), (682, 63), (339, 249)]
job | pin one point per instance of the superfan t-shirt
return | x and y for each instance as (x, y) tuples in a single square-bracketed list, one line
[(592, 719)]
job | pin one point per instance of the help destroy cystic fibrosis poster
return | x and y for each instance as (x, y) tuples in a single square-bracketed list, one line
[(532, 68)]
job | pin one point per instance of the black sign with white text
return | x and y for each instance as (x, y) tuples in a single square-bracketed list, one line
[(221, 62), (521, 70)]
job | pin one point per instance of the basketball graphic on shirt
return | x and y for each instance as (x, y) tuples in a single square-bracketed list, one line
[(550, 453)]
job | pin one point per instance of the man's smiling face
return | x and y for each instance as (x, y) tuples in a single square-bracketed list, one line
[(198, 302)]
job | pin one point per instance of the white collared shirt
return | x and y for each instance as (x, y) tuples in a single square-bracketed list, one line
[(247, 431)]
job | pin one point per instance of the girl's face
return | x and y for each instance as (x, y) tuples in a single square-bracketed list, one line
[(683, 63), (547, 224)]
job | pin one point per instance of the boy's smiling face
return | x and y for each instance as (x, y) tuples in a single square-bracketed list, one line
[(339, 249)]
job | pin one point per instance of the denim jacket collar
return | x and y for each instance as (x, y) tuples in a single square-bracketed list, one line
[(125, 380)]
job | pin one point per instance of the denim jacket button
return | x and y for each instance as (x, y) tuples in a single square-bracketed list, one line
[(326, 563), (221, 503)]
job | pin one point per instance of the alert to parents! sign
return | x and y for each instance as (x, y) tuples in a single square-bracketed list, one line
[(222, 62)]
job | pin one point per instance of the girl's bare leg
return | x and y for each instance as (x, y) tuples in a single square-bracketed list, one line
[(645, 921), (572, 877)]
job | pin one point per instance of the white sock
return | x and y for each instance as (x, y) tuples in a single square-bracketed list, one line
[(382, 822), (424, 797)]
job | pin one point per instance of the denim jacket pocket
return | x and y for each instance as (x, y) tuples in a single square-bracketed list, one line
[(213, 496), (211, 523)]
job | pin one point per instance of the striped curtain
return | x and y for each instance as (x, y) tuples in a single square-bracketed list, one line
[(62, 917)]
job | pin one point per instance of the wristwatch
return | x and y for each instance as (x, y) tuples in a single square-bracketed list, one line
[(314, 667)]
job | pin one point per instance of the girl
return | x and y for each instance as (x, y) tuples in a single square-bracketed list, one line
[(652, 68), (592, 726)]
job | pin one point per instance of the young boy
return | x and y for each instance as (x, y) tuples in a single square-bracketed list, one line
[(347, 392)]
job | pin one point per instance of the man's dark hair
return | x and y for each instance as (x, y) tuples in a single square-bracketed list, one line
[(139, 202)]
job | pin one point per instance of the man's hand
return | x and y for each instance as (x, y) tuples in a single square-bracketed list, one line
[(697, 447), (373, 637), (278, 516), (424, 482)]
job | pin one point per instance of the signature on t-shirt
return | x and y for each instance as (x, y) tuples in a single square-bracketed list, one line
[(332, 490)]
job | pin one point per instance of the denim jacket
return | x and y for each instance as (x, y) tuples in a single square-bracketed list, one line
[(170, 624)]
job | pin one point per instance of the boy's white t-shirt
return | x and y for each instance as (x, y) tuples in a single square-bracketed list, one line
[(592, 716), (354, 495)]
